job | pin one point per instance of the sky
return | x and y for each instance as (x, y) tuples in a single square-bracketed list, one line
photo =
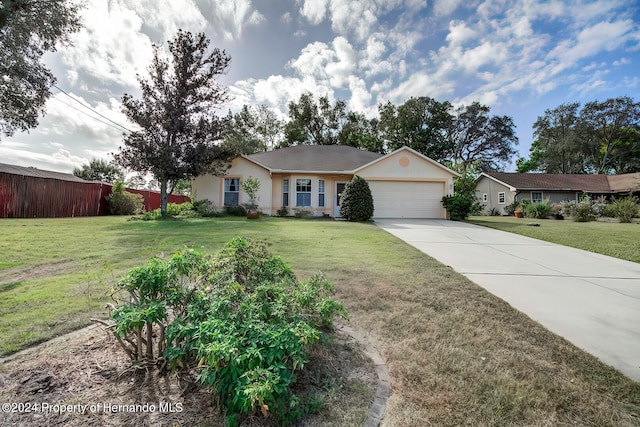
[(519, 57)]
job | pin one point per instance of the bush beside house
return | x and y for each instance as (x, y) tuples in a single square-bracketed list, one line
[(356, 203)]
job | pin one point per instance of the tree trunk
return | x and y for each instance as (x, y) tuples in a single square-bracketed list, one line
[(164, 196), (149, 341)]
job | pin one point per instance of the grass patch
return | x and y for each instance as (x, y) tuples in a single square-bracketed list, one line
[(457, 355), (606, 238)]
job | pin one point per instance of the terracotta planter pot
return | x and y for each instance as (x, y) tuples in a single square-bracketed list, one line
[(253, 214), (518, 214)]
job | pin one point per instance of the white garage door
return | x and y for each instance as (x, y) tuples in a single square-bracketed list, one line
[(402, 199)]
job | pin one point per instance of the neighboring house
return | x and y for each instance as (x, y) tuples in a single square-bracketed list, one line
[(311, 178), (496, 190)]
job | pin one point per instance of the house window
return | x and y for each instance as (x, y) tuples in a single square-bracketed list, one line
[(285, 192), (485, 197), (501, 198), (321, 193), (231, 191), (536, 196), (303, 192)]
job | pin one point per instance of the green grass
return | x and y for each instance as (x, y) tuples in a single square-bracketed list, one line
[(457, 355), (606, 238)]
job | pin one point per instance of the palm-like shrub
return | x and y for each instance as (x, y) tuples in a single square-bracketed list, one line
[(356, 203)]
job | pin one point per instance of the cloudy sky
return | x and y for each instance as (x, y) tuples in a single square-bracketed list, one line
[(520, 57)]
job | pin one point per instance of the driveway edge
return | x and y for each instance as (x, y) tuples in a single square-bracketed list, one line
[(383, 390)]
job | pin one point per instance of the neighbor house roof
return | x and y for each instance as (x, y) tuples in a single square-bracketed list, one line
[(39, 173), (315, 158), (624, 182), (568, 182)]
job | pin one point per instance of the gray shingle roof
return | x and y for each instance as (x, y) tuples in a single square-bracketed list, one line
[(39, 173), (316, 158)]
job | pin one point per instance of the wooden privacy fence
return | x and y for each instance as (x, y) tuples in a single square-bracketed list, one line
[(23, 196)]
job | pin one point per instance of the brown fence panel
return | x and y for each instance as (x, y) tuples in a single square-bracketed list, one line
[(34, 197)]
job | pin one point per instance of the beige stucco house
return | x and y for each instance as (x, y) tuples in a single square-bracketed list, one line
[(404, 183)]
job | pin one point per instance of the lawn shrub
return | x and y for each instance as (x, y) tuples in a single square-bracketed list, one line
[(459, 206), (538, 210), (235, 210), (625, 209), (582, 211), (239, 320), (176, 209), (356, 202), (205, 208), (510, 209), (121, 202)]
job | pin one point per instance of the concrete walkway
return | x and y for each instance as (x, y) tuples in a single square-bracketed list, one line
[(591, 300)]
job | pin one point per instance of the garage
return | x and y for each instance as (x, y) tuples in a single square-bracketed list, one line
[(407, 199)]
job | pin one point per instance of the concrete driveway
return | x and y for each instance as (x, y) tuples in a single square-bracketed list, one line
[(591, 300)]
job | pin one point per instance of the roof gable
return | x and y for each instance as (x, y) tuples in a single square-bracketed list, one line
[(408, 153), (314, 158)]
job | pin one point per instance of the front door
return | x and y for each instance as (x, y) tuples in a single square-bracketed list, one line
[(339, 188)]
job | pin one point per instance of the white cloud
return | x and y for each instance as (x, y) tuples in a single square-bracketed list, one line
[(314, 10), (445, 7), (167, 16), (360, 96), (286, 18), (603, 36), (357, 17), (460, 33), (230, 17), (111, 47)]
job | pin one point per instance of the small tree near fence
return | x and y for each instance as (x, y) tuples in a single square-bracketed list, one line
[(121, 202)]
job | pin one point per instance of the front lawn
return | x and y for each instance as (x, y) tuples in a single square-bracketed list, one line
[(457, 355), (607, 238)]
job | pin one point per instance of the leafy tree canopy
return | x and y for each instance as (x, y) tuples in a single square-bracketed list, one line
[(99, 170), (179, 131), (420, 123), (314, 123), (602, 137), (28, 29), (252, 130)]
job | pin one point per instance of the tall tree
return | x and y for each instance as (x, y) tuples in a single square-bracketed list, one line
[(252, 130), (606, 127), (99, 170), (480, 141), (28, 29), (179, 131), (360, 132), (556, 146), (420, 123), (314, 123)]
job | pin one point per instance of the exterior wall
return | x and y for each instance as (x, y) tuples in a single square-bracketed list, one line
[(405, 166), (212, 187), (552, 196), (314, 209), (492, 189)]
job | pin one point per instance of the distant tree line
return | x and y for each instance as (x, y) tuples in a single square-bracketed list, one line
[(601, 137), (465, 137)]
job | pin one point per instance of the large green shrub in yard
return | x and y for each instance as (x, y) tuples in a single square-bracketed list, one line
[(121, 202), (459, 206), (356, 202), (240, 319), (625, 209)]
